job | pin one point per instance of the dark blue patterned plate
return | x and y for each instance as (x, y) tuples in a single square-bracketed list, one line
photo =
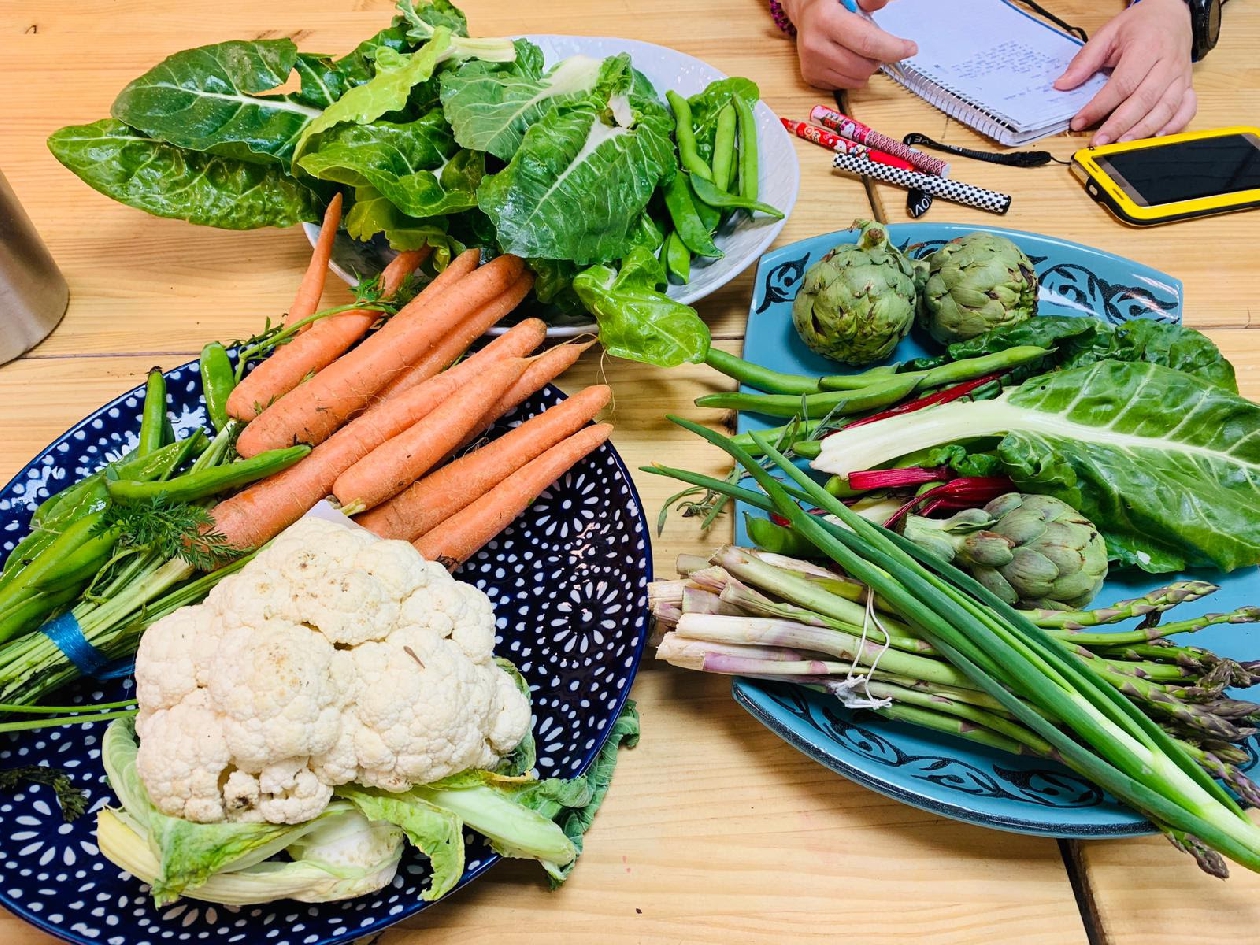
[(569, 582), (935, 772)]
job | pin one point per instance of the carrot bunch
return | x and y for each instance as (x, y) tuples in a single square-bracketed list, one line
[(386, 412)]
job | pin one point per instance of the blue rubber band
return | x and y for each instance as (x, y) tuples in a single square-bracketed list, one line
[(68, 637)]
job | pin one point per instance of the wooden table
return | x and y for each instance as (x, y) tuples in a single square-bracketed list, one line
[(716, 831)]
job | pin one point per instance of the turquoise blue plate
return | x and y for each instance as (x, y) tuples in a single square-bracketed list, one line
[(934, 772)]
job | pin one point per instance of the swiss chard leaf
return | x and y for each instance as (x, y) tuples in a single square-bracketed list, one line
[(359, 65), (636, 320), (166, 181), (578, 184), (322, 82), (416, 166), (491, 107), (374, 213), (423, 16), (208, 99)]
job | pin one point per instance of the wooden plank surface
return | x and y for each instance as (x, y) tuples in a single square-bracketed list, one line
[(715, 831)]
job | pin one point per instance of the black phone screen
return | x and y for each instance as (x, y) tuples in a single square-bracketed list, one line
[(1189, 170)]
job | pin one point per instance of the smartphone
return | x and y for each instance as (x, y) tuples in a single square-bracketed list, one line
[(1160, 180)]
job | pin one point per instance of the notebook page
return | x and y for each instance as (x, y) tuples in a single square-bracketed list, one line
[(992, 53)]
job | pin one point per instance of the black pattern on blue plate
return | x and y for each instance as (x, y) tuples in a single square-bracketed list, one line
[(782, 282), (1115, 302), (1051, 787), (570, 594)]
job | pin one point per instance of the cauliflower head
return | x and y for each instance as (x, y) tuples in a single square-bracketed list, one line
[(332, 657)]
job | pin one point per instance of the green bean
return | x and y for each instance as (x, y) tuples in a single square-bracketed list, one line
[(810, 406), (748, 171), (677, 258), (762, 378), (154, 413), (686, 136), (709, 194), (954, 372), (687, 224), (854, 381), (724, 148), (218, 377), (208, 482)]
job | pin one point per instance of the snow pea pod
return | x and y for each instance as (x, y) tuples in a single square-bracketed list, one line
[(724, 147), (811, 406), (709, 193), (687, 223), (677, 258), (776, 539), (153, 416), (685, 134), (218, 377), (748, 170), (208, 482)]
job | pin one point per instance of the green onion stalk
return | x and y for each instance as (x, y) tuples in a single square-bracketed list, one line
[(1044, 697)]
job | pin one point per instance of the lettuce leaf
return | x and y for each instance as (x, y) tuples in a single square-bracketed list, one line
[(166, 181), (207, 99)]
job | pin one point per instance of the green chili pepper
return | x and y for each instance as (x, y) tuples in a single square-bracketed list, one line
[(687, 224), (685, 133), (154, 414), (724, 147), (218, 378), (208, 482), (810, 406), (677, 258), (748, 171), (708, 193)]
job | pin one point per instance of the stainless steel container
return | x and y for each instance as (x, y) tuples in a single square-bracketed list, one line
[(33, 293)]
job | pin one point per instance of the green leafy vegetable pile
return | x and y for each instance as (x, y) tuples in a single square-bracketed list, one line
[(441, 140)]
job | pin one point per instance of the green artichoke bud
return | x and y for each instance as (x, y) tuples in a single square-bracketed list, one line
[(975, 283), (1030, 550), (858, 301)]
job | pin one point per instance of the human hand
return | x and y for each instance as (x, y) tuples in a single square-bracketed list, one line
[(838, 49), (1150, 91)]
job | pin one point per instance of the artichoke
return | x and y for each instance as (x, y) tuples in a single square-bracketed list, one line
[(975, 283), (858, 301), (1029, 550)]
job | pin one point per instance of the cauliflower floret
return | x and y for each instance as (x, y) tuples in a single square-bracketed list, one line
[(332, 657)]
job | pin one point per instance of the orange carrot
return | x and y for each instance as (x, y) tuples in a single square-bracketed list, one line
[(312, 286), (446, 351), (260, 512), (441, 494), (312, 351), (460, 536), (455, 271), (397, 463), (313, 411)]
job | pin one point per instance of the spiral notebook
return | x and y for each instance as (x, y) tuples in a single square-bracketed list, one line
[(988, 64)]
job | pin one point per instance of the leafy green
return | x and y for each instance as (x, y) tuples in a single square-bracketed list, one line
[(359, 65), (636, 320), (372, 213), (206, 99), (435, 832), (1166, 465), (322, 82), (491, 107), (424, 16), (706, 105), (72, 799), (581, 179), (415, 166), (167, 181), (387, 91)]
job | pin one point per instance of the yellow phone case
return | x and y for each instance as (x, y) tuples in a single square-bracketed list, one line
[(1107, 191)]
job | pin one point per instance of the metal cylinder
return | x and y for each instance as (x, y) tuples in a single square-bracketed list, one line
[(33, 293)]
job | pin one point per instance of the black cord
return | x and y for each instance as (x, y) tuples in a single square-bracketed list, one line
[(1062, 24), (1010, 159)]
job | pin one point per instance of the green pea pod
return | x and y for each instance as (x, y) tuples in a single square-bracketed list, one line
[(208, 482), (711, 218), (724, 152), (807, 449), (163, 462), (708, 193), (153, 415), (776, 539), (89, 499), (686, 136), (812, 406), (677, 258), (218, 378), (43, 569), (748, 170), (687, 224)]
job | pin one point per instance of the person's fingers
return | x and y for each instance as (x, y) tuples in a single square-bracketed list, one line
[(870, 42), (847, 62), (870, 6), (1142, 102), (1092, 57), (1158, 116), (1129, 75), (1189, 105)]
